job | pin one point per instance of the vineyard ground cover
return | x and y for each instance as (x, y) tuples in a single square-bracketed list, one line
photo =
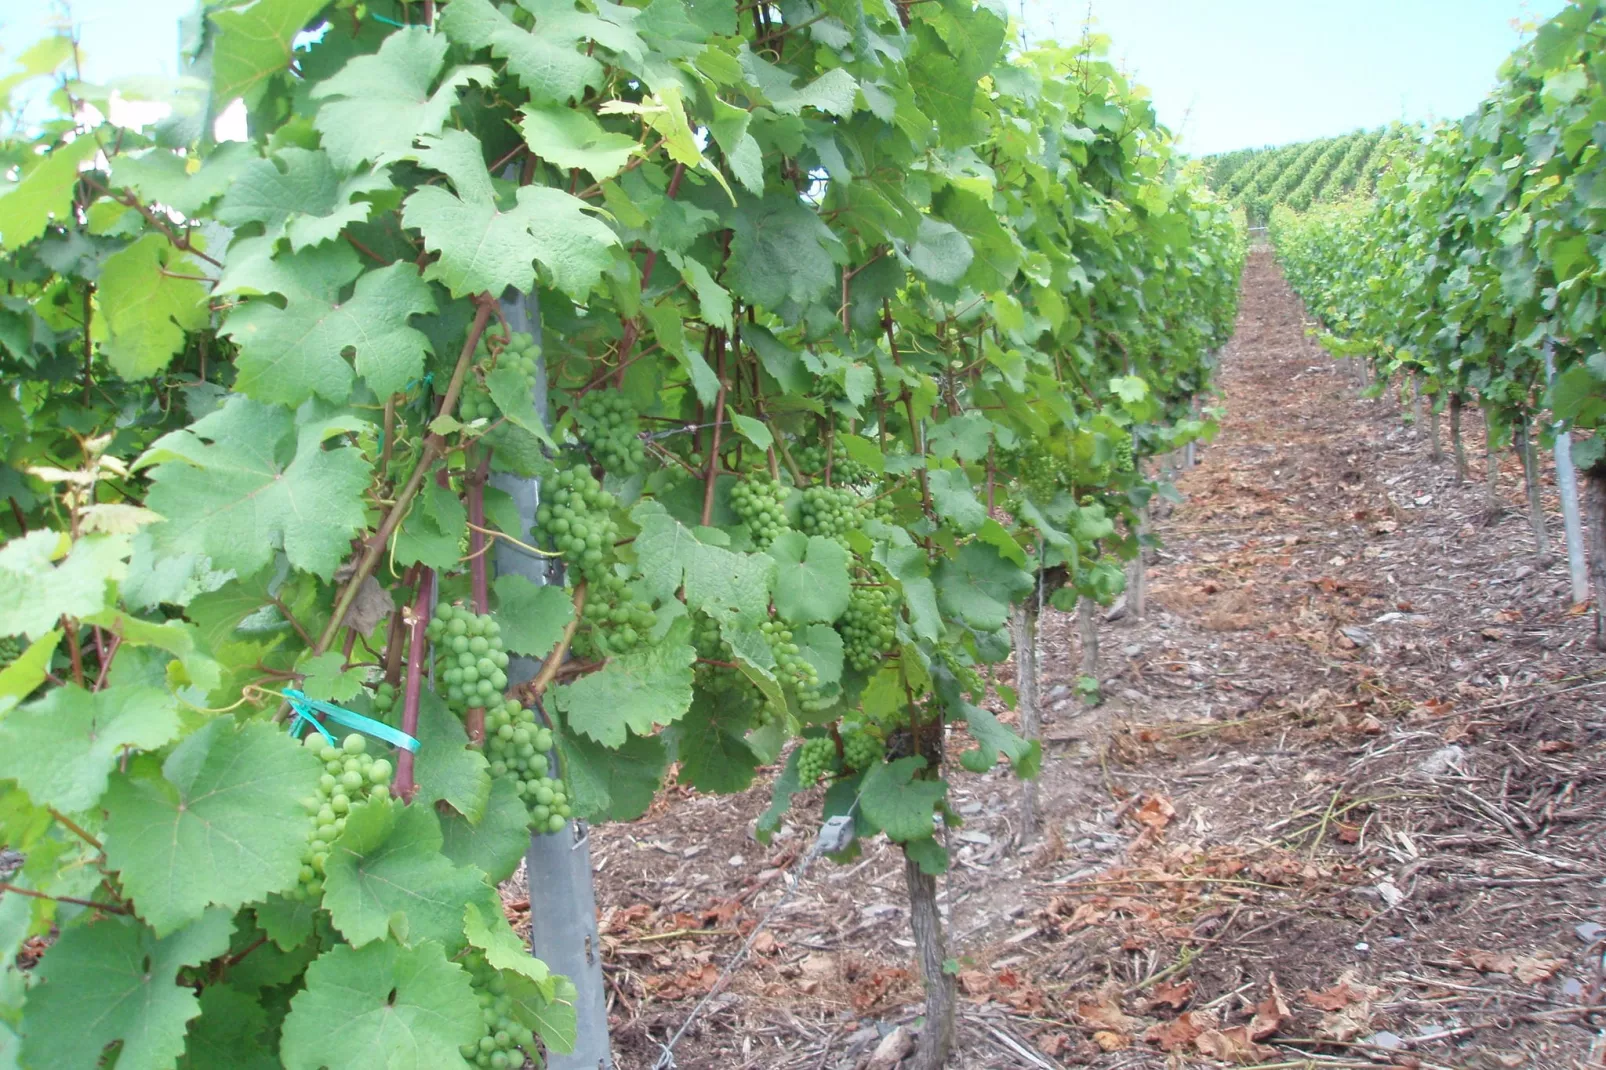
[(1341, 752)]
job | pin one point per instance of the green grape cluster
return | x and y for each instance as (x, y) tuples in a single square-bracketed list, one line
[(815, 758), (721, 680), (844, 471), (506, 1042), (830, 511), (471, 666), (351, 775), (384, 697), (758, 500), (1042, 472), (1123, 460), (520, 353), (615, 623), (861, 747), (517, 746), (869, 628), (611, 432), (10, 650), (576, 519), (791, 667)]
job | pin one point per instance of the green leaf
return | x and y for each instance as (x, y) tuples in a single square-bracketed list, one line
[(377, 105), (833, 92), (786, 786), (930, 855), (713, 752), (326, 679), (941, 253), (382, 1007), (821, 645), (490, 932), (724, 584), (544, 59), (228, 1035), (288, 922), (533, 616), (811, 577), (18, 680), (298, 194), (897, 803), (447, 768), (979, 585), (613, 784), (511, 391), (1129, 388), (224, 825), (236, 486), (434, 529), (781, 252), (570, 138), (496, 844), (646, 687), (485, 249), (253, 43), (714, 299), (62, 748), (290, 354), (554, 1020), (35, 594), (116, 980), (386, 876), (44, 192), (956, 502), (755, 431), (146, 308)]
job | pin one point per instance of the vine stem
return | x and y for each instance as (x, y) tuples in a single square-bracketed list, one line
[(110, 908), (719, 420), (554, 661), (76, 829), (393, 636), (89, 345), (434, 449), (405, 785)]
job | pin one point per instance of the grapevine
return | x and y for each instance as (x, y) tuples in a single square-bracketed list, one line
[(868, 627), (815, 758), (351, 776), (575, 518), (830, 511), (611, 433), (471, 662), (758, 501)]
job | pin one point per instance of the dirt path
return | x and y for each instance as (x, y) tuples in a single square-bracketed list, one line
[(1347, 796)]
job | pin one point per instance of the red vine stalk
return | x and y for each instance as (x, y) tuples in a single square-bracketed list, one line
[(109, 908), (405, 785)]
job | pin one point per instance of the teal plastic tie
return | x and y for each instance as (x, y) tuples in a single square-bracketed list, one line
[(305, 707)]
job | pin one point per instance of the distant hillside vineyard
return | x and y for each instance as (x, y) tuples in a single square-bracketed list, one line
[(1306, 173)]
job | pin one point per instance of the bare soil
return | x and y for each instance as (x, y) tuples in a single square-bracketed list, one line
[(1344, 804)]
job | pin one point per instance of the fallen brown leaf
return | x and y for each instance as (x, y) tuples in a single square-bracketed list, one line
[(1179, 1032)]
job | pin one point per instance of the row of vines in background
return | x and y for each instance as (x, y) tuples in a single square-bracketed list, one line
[(856, 328), (1474, 275)]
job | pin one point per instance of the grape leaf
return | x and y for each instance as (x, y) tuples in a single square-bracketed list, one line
[(163, 177), (382, 1007), (713, 298), (496, 844), (485, 249), (44, 192), (978, 586), (553, 1019), (532, 616), (376, 106), (290, 354), (833, 92), (236, 486), (27, 672), (788, 784), (228, 1034), (573, 139), (386, 876), (713, 753), (61, 748), (637, 690), (897, 803), (511, 391), (35, 594), (781, 251), (253, 43), (614, 784), (954, 499), (298, 194), (724, 584), (811, 577), (325, 678), (116, 980), (546, 59), (755, 431), (940, 252), (821, 645), (176, 637), (491, 933), (147, 306), (447, 768), (288, 922), (224, 825), (434, 529)]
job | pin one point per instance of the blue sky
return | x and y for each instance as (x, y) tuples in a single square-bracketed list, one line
[(1224, 73)]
